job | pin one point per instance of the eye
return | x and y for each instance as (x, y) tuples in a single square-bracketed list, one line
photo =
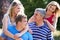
[(36, 14), (18, 8)]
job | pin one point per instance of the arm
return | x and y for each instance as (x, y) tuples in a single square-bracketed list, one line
[(22, 32), (52, 28), (19, 39), (55, 21), (31, 19), (5, 25), (27, 28)]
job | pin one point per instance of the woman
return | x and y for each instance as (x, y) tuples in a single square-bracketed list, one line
[(9, 19), (51, 15)]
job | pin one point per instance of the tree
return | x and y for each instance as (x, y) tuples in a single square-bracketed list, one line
[(31, 5)]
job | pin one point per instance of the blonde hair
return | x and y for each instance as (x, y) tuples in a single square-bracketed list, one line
[(11, 7), (53, 3)]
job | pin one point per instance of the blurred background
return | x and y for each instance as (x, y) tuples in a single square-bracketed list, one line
[(29, 6)]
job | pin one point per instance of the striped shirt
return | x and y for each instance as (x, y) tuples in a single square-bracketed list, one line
[(40, 33)]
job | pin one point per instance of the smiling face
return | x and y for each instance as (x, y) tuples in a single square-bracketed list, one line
[(21, 22), (16, 9), (24, 21), (38, 16), (51, 8)]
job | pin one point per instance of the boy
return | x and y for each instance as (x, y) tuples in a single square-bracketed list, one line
[(40, 28), (21, 23)]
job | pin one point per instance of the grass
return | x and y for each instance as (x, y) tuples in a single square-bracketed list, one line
[(56, 35)]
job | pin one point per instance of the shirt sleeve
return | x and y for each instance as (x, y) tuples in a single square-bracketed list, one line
[(31, 24), (30, 36)]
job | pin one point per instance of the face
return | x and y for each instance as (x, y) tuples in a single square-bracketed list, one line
[(24, 22), (51, 8), (16, 9), (37, 15)]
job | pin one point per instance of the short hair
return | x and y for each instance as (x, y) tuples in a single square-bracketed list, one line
[(19, 18), (41, 11)]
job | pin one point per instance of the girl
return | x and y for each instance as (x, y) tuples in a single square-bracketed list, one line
[(52, 15), (9, 19)]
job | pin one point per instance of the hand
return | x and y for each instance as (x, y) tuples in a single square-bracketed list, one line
[(30, 31), (16, 36), (45, 20), (19, 39), (32, 19)]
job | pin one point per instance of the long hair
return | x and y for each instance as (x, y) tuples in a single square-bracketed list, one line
[(12, 4), (9, 11), (55, 4), (56, 11)]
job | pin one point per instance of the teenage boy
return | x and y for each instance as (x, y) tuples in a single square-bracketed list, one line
[(21, 23)]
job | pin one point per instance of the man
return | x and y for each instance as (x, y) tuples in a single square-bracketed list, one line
[(40, 28)]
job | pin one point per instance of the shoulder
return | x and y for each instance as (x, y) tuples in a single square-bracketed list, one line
[(11, 27), (46, 25), (32, 23), (5, 16)]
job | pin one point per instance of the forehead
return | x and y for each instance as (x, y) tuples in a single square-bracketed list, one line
[(37, 12), (52, 5), (25, 17)]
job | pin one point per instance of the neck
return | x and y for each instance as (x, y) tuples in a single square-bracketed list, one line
[(12, 19), (18, 28), (47, 13), (13, 16), (39, 23)]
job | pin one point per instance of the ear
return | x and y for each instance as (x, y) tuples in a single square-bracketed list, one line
[(19, 23)]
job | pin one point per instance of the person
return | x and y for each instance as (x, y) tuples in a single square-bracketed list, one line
[(40, 29), (51, 15), (9, 19), (21, 22)]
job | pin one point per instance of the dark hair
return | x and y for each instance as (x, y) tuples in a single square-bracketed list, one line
[(14, 4), (19, 18)]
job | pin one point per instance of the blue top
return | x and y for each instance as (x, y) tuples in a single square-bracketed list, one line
[(41, 33), (13, 30)]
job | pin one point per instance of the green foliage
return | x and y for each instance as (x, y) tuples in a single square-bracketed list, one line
[(31, 5), (58, 24), (56, 37)]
